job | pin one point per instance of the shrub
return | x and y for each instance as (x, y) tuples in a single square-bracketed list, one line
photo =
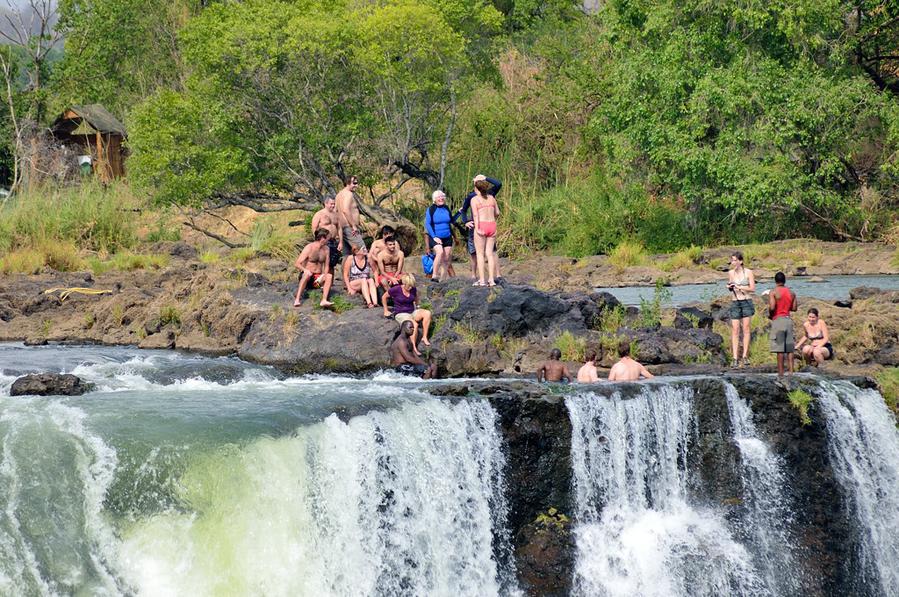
[(651, 310), (801, 400), (169, 314), (682, 259), (572, 346), (210, 257), (628, 254), (888, 380), (58, 255)]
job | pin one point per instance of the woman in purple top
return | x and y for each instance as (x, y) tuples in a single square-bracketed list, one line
[(405, 308)]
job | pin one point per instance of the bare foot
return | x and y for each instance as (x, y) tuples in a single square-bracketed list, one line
[(326, 304), (297, 304), (416, 351), (426, 342)]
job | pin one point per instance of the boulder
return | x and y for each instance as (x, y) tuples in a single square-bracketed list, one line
[(863, 292), (842, 304), (49, 384)]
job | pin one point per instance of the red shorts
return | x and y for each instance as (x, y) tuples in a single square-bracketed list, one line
[(315, 280), (393, 278), (487, 228)]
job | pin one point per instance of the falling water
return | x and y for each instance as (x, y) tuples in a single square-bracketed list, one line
[(637, 533), (864, 452), (768, 515)]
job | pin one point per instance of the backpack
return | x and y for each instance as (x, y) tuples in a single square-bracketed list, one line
[(427, 263)]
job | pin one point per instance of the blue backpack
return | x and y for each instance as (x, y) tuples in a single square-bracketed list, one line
[(427, 263)]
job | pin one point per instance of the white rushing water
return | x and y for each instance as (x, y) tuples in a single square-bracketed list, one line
[(395, 503), (864, 452), (768, 514), (637, 533)]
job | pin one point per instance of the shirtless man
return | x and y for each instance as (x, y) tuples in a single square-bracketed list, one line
[(627, 369), (390, 264), (554, 369), (328, 219), (378, 245), (587, 373), (313, 265), (348, 212), (403, 356)]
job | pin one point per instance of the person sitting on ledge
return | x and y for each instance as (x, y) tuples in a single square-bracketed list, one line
[(403, 355), (627, 369), (554, 369), (405, 308), (390, 261), (819, 348), (357, 276), (587, 373), (313, 264)]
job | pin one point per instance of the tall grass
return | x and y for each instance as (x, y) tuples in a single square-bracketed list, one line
[(87, 217)]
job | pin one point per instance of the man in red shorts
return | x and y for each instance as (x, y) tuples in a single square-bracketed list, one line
[(313, 265)]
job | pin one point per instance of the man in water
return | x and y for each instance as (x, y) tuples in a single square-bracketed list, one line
[(554, 369), (348, 212), (328, 219), (627, 369), (465, 213), (403, 356), (313, 265), (781, 302), (587, 373), (390, 264)]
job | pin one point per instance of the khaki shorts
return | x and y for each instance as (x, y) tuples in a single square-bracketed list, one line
[(351, 239), (402, 317), (782, 335)]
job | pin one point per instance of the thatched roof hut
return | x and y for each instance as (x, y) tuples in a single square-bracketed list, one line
[(94, 132)]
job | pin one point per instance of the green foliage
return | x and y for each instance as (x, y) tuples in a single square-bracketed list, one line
[(612, 319), (169, 315), (127, 261), (628, 254), (651, 310), (888, 381), (800, 399), (572, 346), (683, 259), (88, 216), (61, 256)]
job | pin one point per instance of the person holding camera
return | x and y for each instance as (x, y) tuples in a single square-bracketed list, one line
[(741, 284)]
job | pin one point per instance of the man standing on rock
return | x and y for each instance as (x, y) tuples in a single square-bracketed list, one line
[(403, 355), (348, 212), (781, 302), (627, 369), (313, 265), (554, 369), (327, 218)]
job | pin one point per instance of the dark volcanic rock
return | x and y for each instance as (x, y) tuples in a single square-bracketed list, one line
[(49, 384), (512, 310), (843, 304), (545, 555), (703, 318), (863, 292), (670, 345)]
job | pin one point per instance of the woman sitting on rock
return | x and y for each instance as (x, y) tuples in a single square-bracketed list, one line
[(357, 276), (819, 348), (405, 308)]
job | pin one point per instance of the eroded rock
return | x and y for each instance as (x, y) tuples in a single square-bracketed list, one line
[(49, 384)]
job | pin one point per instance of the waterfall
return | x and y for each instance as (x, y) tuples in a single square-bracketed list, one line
[(637, 533), (863, 445), (768, 513), (403, 502)]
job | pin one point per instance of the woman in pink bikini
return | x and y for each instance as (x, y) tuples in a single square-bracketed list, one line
[(484, 211)]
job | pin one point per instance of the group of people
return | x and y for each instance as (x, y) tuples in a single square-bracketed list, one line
[(814, 347), (477, 220), (375, 273), (625, 369)]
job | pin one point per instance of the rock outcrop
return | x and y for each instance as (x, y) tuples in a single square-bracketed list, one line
[(49, 384)]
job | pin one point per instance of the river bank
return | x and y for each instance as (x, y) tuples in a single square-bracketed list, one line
[(246, 310)]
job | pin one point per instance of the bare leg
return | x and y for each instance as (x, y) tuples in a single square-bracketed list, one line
[(304, 281), (326, 290), (365, 291), (819, 355), (438, 258), (372, 292), (780, 364), (789, 357), (414, 337), (735, 338), (473, 261), (424, 316), (747, 335), (479, 242), (448, 263), (489, 243), (496, 256)]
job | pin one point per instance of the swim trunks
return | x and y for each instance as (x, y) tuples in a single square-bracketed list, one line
[(315, 280), (782, 335), (351, 239), (334, 256), (392, 278), (407, 369)]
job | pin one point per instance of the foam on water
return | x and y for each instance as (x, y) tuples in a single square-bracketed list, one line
[(637, 533), (768, 517), (863, 447), (399, 502)]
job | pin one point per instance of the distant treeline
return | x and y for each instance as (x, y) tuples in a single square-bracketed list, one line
[(669, 122)]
